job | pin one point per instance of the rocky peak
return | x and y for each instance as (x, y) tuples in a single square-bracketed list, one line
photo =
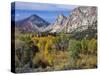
[(60, 20), (33, 23), (33, 17), (59, 23), (81, 18), (61, 16)]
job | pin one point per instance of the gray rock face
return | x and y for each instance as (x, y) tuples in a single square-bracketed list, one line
[(80, 19), (58, 25)]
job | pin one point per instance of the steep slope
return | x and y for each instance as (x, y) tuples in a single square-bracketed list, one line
[(58, 25), (81, 19)]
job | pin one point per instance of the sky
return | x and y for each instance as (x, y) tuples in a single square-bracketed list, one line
[(48, 12)]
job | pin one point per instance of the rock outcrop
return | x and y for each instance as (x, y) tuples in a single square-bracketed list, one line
[(80, 19)]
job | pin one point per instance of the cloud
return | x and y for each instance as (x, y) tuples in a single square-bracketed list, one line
[(43, 6)]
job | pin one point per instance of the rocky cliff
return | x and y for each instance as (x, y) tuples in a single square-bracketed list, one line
[(80, 19)]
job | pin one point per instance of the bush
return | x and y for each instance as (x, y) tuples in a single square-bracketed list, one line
[(61, 42), (74, 48), (84, 45), (92, 46), (48, 46), (22, 42)]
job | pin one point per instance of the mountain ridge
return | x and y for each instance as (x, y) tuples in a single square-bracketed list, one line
[(80, 19), (33, 23)]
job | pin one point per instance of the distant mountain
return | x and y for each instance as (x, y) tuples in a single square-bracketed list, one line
[(80, 19), (33, 23)]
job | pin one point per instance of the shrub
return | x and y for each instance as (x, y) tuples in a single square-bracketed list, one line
[(22, 42), (61, 43), (48, 46), (92, 46), (84, 45), (74, 48)]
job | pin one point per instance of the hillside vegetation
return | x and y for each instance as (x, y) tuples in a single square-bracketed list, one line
[(55, 53)]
